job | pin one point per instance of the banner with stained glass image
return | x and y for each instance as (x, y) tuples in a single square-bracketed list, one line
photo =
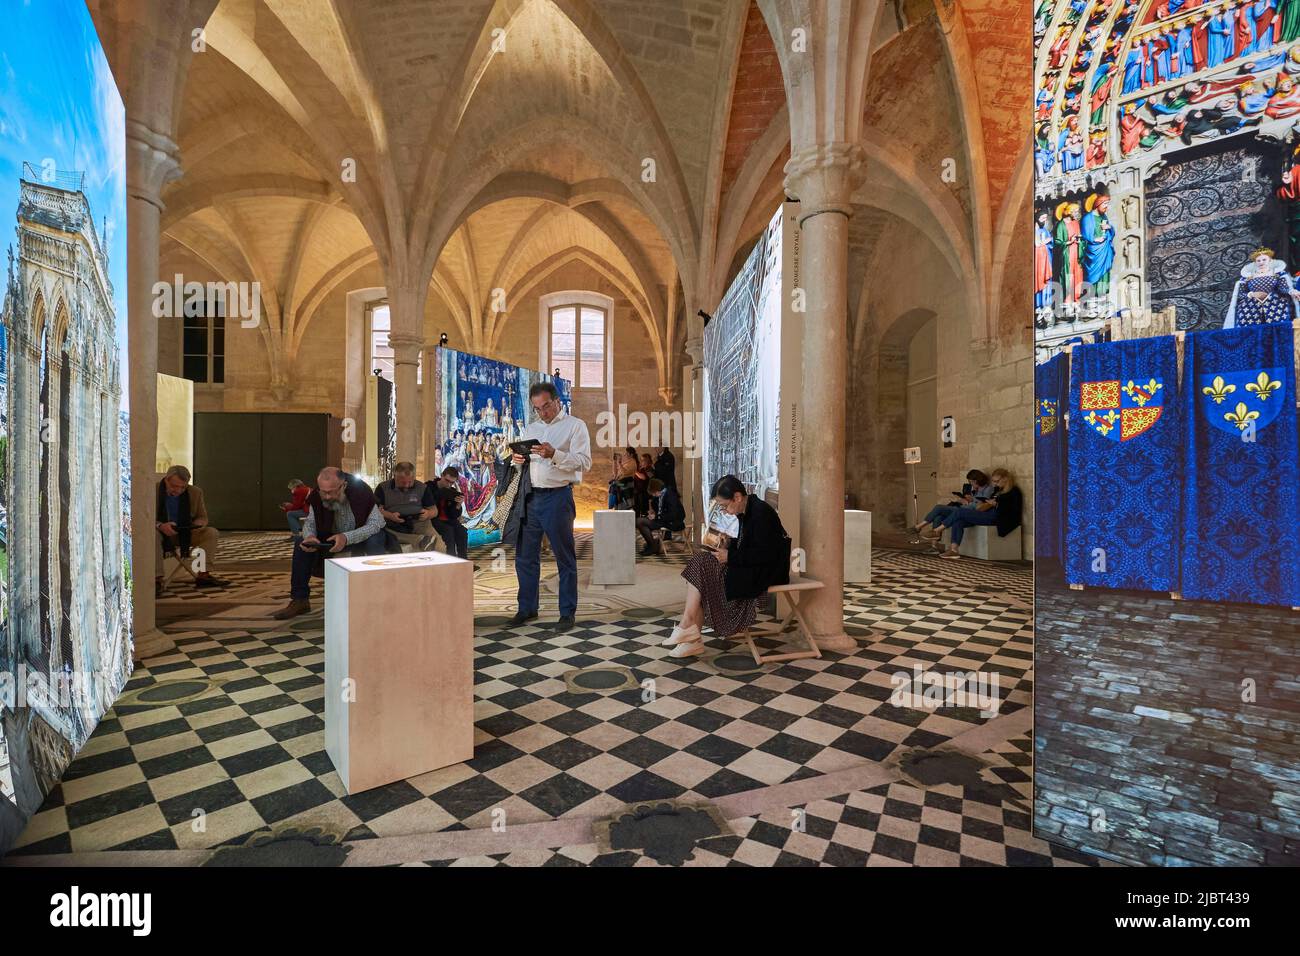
[(1125, 465), (1242, 493), (1051, 398)]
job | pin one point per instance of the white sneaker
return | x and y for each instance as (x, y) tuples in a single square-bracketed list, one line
[(688, 648), (681, 636)]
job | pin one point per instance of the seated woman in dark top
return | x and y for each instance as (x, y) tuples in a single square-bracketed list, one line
[(723, 586), (1002, 512)]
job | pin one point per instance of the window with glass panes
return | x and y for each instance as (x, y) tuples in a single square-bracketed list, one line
[(203, 342), (578, 344), (381, 353)]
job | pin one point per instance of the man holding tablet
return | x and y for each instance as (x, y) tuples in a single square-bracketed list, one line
[(556, 463)]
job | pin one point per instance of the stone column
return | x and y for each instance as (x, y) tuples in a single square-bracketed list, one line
[(406, 357), (823, 177), (151, 163), (428, 413), (692, 464)]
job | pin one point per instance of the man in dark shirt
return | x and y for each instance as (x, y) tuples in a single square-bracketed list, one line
[(448, 500), (408, 507)]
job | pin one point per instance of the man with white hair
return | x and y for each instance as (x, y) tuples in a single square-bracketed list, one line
[(341, 512)]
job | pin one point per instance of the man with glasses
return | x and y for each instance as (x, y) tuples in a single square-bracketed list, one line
[(555, 465)]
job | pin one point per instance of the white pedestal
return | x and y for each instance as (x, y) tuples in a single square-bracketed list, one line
[(399, 630), (613, 554), (857, 547), (982, 542)]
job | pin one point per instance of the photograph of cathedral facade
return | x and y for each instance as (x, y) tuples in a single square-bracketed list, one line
[(65, 628), (1166, 251)]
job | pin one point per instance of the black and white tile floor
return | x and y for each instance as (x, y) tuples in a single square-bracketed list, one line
[(247, 755)]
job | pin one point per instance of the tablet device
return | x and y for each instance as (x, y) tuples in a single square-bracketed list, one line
[(524, 446)]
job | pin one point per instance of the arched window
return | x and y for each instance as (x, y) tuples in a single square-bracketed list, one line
[(578, 334)]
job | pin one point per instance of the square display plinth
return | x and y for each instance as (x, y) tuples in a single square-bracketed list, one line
[(399, 666)]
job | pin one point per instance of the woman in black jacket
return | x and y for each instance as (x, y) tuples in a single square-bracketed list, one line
[(1003, 511), (723, 586)]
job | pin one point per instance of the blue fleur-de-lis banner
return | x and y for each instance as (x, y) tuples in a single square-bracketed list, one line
[(1125, 466), (1242, 493), (1051, 398)]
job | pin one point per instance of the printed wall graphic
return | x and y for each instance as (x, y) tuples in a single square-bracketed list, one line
[(65, 640), (742, 353), (481, 405)]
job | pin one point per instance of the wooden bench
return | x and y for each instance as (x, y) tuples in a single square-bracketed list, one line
[(679, 537), (185, 564), (792, 591)]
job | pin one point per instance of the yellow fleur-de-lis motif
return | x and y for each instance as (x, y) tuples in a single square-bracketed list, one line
[(1141, 394), (1219, 390), (1241, 417), (1263, 386)]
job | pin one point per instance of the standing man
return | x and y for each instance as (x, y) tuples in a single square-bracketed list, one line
[(182, 523), (342, 513), (554, 467)]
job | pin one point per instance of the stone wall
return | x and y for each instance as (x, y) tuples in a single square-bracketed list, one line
[(635, 377), (987, 387)]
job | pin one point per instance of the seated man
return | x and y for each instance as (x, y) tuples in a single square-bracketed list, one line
[(182, 523), (341, 511), (668, 514), (407, 505), (448, 498)]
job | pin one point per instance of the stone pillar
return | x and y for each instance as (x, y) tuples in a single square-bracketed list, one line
[(688, 475), (406, 357), (428, 413), (151, 163), (823, 177)]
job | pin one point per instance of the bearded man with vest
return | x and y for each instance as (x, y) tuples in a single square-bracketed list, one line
[(342, 511)]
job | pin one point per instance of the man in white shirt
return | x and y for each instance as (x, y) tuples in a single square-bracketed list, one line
[(554, 467)]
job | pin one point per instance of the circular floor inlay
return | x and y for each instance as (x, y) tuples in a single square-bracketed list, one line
[(872, 602), (736, 663), (491, 620), (599, 680), (646, 613), (166, 692)]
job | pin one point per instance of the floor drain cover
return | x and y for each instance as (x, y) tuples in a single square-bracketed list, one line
[(167, 692), (643, 613), (873, 602), (665, 830), (736, 663), (491, 620), (600, 680)]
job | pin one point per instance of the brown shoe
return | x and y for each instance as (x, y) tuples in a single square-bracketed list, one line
[(292, 609)]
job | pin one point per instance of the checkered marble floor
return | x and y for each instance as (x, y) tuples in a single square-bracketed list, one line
[(894, 824), (247, 755)]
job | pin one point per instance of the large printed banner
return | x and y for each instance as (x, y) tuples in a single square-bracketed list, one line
[(1242, 491), (482, 406), (1125, 465), (1051, 395)]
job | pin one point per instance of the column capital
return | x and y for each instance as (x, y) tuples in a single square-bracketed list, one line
[(152, 161), (695, 349), (406, 347), (822, 177), (669, 395)]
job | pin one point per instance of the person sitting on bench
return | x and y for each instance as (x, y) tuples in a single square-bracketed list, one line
[(342, 514), (724, 584), (1003, 512), (979, 489), (407, 506), (448, 501), (182, 523), (668, 514)]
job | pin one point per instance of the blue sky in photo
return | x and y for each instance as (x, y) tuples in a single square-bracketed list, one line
[(58, 101)]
